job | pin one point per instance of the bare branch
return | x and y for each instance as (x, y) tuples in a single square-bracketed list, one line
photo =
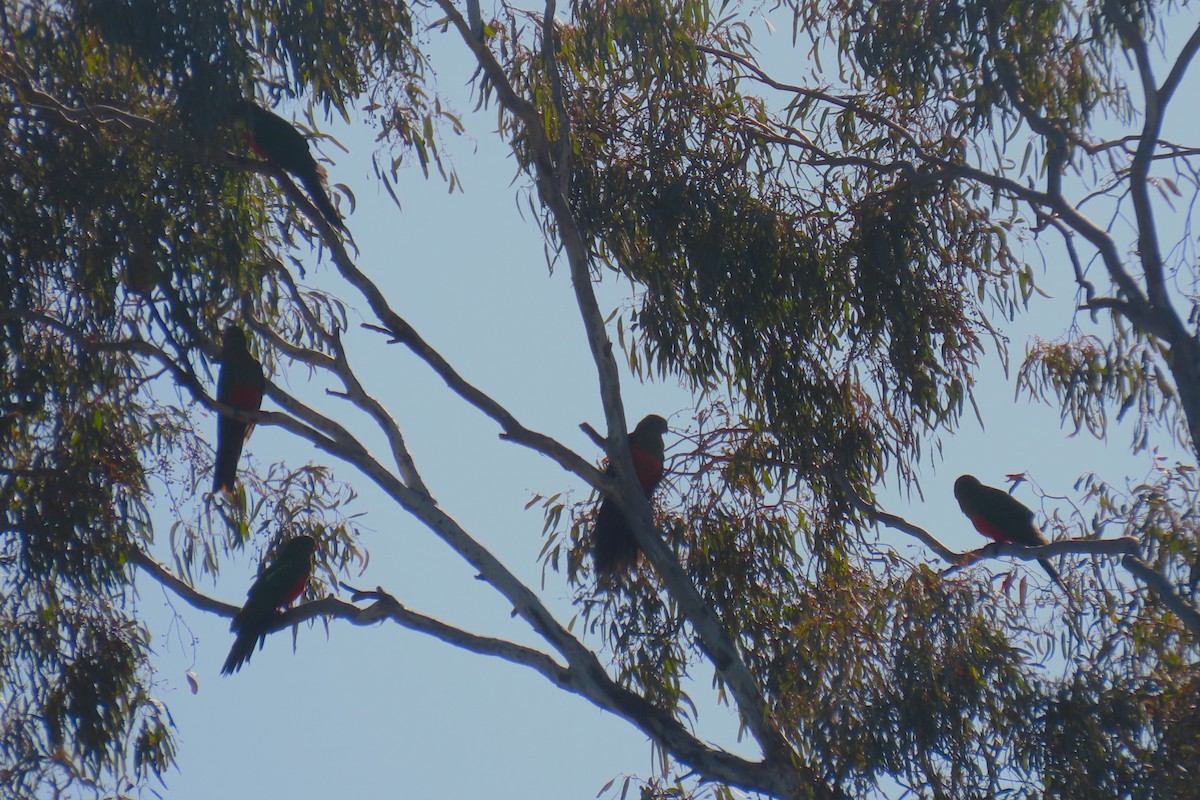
[(1126, 545), (1187, 613), (881, 517), (713, 638), (475, 18), (1096, 547), (592, 434), (589, 680), (1148, 249), (339, 365), (1128, 144), (304, 355), (181, 587), (1109, 303), (357, 395), (1179, 68)]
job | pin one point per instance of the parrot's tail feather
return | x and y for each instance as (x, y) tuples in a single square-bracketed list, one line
[(320, 197), (231, 435), (239, 654), (614, 550)]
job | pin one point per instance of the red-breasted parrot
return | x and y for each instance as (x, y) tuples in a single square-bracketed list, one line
[(999, 516), (274, 589), (239, 384), (277, 141), (614, 550)]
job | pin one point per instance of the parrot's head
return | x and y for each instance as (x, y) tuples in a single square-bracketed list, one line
[(234, 340), (965, 485), (652, 425)]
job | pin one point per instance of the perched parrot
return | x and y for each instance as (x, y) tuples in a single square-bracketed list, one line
[(275, 588), (614, 550), (240, 384), (277, 141), (1001, 517)]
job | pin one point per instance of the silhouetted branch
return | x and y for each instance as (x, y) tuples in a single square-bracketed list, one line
[(588, 680), (1186, 612), (1124, 546), (894, 521), (181, 587), (791, 778)]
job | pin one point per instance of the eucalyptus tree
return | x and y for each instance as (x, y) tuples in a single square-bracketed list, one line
[(825, 243)]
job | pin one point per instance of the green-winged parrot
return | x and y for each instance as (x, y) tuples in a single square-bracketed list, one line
[(275, 588), (999, 516), (278, 141), (240, 384), (614, 550)]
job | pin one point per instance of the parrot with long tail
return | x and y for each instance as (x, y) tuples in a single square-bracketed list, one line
[(1003, 518), (240, 384), (277, 141), (276, 588), (614, 550)]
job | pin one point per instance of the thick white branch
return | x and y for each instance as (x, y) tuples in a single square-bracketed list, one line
[(589, 681), (712, 636)]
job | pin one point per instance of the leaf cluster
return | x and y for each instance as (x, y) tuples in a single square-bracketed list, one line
[(835, 287), (978, 60), (879, 670), (135, 228)]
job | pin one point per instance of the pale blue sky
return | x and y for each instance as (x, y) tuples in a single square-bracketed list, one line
[(385, 712)]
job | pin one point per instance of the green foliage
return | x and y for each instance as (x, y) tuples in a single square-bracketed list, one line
[(826, 270), (877, 672), (990, 56), (847, 321), (75, 725), (133, 230), (838, 270), (1087, 377)]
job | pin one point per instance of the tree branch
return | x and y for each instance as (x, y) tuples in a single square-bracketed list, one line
[(339, 365), (1148, 249), (760, 75), (1056, 140), (1179, 68), (1124, 546), (1187, 613), (336, 441), (590, 682), (181, 587), (1139, 309), (712, 637), (881, 517)]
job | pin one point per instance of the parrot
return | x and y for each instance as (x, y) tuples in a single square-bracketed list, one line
[(277, 141), (614, 550), (240, 384), (275, 588), (1001, 517)]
